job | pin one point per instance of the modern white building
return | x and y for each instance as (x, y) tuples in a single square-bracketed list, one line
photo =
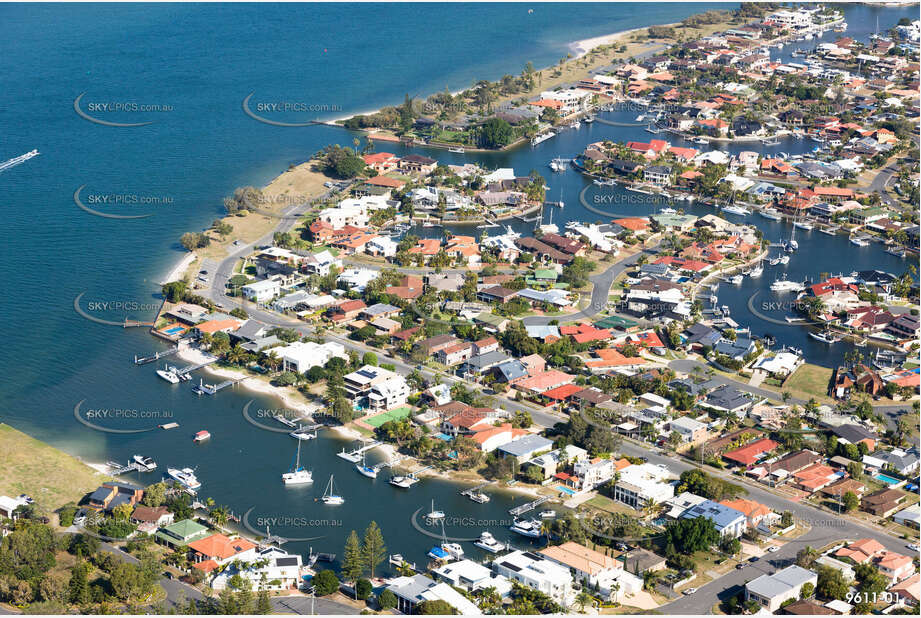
[(594, 472), (382, 246), (357, 278), (642, 484), (272, 568), (411, 591), (300, 356), (470, 576), (362, 381), (770, 591), (537, 572)]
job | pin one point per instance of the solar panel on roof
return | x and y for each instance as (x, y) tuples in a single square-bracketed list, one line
[(367, 373)]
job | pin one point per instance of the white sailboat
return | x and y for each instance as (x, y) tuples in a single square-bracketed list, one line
[(329, 495), (297, 475), (433, 514), (365, 469)]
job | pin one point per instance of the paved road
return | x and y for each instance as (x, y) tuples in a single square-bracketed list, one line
[(826, 528), (177, 593), (601, 289)]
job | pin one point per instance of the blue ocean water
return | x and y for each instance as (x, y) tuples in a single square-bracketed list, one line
[(197, 62)]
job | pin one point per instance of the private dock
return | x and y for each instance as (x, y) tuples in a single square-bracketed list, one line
[(191, 368), (143, 360), (211, 389), (117, 469), (524, 508), (355, 455), (469, 492), (136, 323)]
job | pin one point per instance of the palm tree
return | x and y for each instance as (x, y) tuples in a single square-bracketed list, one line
[(583, 599), (219, 516)]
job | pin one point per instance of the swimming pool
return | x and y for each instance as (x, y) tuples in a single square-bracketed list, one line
[(888, 480), (566, 490), (175, 330)]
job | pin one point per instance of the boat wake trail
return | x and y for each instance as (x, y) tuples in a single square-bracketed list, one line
[(17, 160)]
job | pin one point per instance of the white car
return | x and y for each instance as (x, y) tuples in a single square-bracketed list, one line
[(689, 591), (913, 547), (773, 548)]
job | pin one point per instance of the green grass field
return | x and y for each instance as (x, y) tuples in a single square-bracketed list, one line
[(53, 478), (809, 381)]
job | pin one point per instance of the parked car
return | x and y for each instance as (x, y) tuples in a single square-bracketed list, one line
[(773, 548), (741, 565), (689, 591), (80, 517)]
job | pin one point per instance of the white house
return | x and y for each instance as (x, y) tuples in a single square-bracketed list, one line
[(594, 472), (642, 484), (770, 591), (389, 394), (596, 568), (357, 278), (300, 356), (537, 572), (410, 591), (383, 246), (262, 291), (272, 567), (470, 576)]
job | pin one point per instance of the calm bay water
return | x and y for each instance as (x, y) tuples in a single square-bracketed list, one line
[(197, 63)]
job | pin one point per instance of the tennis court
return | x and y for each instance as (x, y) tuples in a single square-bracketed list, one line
[(383, 417)]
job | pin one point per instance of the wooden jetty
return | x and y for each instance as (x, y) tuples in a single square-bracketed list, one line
[(355, 455), (117, 469), (211, 389), (524, 508), (136, 323), (143, 360), (191, 368)]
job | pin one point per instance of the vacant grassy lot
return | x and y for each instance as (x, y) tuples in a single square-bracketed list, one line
[(809, 381), (53, 478)]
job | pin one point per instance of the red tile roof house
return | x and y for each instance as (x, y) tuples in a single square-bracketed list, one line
[(215, 550), (381, 161), (469, 421), (651, 150), (585, 333), (815, 477), (346, 311), (543, 382), (497, 294), (485, 345), (861, 551), (750, 453), (609, 358)]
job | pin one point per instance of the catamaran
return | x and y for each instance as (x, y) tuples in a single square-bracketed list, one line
[(184, 476), (297, 475), (329, 495)]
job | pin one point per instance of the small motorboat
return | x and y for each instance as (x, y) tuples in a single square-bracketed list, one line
[(860, 242), (736, 279), (803, 225), (454, 550), (303, 434), (201, 436), (457, 150), (548, 514), (437, 553), (825, 337), (168, 375), (479, 497)]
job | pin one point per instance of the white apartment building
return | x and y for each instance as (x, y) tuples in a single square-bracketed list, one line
[(575, 100), (594, 472), (360, 382), (642, 484)]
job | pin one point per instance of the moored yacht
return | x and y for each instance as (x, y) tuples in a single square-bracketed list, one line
[(184, 476), (529, 528), (168, 375), (297, 475), (785, 285), (330, 496), (489, 543), (145, 464)]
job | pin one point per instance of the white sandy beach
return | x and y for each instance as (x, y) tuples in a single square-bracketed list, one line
[(580, 48), (287, 395), (179, 269)]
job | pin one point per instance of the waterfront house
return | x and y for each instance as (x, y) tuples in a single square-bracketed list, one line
[(271, 567), (212, 551), (526, 447), (471, 576), (538, 572), (599, 570), (660, 175), (359, 383), (388, 394), (301, 356), (149, 518), (181, 533), (410, 591)]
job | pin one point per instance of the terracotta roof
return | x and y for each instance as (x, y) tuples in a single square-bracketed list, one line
[(220, 547)]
